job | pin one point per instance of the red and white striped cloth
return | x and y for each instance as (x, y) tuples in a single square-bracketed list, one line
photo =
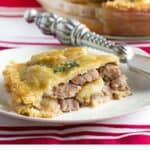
[(130, 129)]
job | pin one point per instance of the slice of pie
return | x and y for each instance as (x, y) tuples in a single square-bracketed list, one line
[(60, 81)]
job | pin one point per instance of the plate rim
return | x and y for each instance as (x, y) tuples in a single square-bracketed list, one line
[(49, 120)]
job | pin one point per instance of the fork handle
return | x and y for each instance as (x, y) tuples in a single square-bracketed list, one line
[(70, 31)]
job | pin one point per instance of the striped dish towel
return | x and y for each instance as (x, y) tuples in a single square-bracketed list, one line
[(130, 129)]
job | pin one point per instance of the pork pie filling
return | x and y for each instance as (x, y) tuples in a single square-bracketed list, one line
[(88, 89)]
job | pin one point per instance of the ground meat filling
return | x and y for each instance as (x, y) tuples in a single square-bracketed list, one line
[(63, 91), (109, 72), (66, 93), (87, 77), (119, 84), (68, 105)]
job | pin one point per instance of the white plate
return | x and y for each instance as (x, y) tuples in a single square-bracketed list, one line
[(140, 99)]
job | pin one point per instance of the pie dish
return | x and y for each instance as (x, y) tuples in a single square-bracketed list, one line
[(87, 2), (134, 17), (105, 16), (60, 81)]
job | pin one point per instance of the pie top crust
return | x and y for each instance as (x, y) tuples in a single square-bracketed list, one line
[(27, 81)]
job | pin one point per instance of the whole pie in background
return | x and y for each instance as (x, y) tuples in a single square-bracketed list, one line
[(108, 17)]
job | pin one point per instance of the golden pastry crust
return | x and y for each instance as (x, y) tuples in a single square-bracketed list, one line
[(27, 82), (128, 5), (117, 4), (27, 79)]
